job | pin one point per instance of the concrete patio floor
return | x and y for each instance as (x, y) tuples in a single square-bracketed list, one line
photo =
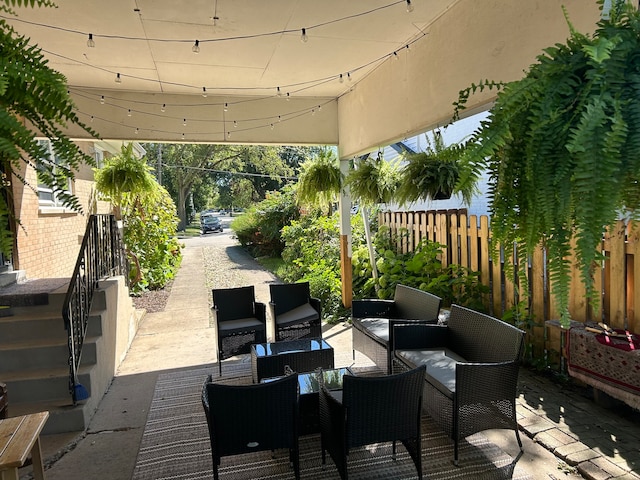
[(564, 435)]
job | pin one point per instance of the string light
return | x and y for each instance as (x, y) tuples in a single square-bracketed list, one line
[(129, 113), (235, 123), (319, 108), (395, 56), (182, 136), (204, 92), (163, 108), (118, 79), (226, 107), (272, 126), (90, 42), (313, 111), (409, 6), (349, 76), (341, 79), (303, 37), (91, 118), (279, 118), (184, 122), (101, 99), (288, 97), (136, 132), (228, 135), (196, 47), (279, 91)]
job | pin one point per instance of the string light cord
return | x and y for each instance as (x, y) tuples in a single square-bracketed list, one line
[(208, 40)]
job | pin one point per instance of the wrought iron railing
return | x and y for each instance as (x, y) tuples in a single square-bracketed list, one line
[(101, 255)]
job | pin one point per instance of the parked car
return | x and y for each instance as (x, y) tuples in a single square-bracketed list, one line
[(210, 223)]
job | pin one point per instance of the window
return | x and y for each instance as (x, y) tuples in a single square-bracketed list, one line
[(46, 196)]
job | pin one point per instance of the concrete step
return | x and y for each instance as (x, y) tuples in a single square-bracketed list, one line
[(41, 321), (51, 384), (40, 354), (63, 415)]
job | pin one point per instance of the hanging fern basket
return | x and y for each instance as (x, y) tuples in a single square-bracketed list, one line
[(562, 149)]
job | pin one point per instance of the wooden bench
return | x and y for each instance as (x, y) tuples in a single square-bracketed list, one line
[(20, 436)]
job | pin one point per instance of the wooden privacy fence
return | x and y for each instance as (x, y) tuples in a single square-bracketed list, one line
[(467, 241)]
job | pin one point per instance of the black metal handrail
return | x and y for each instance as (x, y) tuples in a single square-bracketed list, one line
[(101, 255)]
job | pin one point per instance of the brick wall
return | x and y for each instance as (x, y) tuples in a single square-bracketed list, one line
[(49, 238)]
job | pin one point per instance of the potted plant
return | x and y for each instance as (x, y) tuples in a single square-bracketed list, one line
[(434, 173), (562, 148)]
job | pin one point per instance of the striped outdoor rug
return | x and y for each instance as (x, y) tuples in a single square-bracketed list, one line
[(175, 445)]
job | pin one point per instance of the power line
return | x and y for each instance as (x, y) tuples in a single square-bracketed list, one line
[(226, 172)]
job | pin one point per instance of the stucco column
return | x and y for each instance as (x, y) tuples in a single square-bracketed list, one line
[(345, 238)]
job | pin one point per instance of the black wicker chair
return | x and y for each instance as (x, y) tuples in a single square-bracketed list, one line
[(372, 410), (373, 321), (472, 371), (240, 321), (252, 418), (295, 313)]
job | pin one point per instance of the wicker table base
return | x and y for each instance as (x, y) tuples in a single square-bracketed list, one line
[(304, 355)]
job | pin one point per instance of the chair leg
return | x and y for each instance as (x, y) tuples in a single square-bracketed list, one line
[(518, 438), (393, 450), (455, 452), (219, 362)]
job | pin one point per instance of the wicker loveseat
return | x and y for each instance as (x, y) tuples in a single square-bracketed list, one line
[(472, 371), (373, 321)]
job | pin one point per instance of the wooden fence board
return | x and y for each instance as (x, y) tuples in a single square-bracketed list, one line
[(617, 276)]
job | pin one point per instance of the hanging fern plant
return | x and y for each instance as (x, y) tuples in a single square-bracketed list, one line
[(562, 148)]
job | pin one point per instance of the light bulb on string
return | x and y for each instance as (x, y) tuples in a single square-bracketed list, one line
[(272, 126), (409, 6), (395, 56), (101, 99), (279, 118), (90, 42), (204, 92), (136, 132), (279, 92), (129, 113), (118, 79), (313, 111), (196, 47), (349, 76), (182, 136), (91, 118), (228, 135), (163, 108), (226, 107), (235, 124), (319, 108), (184, 122), (288, 96), (341, 78), (303, 37)]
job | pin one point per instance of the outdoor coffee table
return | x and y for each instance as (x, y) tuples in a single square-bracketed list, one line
[(304, 355), (309, 384)]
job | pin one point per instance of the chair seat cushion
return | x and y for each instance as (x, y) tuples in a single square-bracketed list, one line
[(376, 328), (301, 314), (441, 366), (241, 324)]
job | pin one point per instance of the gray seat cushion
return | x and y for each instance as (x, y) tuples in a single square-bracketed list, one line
[(441, 366), (249, 323), (377, 328), (301, 314)]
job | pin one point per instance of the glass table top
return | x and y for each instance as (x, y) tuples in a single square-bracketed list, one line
[(290, 346)]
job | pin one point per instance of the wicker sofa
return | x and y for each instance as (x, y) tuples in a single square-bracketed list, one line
[(373, 321), (471, 371)]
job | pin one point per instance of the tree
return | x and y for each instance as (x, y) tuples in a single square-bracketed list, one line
[(33, 98)]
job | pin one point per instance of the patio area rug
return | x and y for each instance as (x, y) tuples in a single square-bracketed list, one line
[(175, 445)]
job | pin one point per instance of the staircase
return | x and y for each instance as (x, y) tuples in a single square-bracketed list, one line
[(34, 356)]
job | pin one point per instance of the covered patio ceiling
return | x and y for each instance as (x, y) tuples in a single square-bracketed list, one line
[(369, 73)]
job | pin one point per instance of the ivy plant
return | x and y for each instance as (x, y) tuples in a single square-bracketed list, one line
[(562, 148)]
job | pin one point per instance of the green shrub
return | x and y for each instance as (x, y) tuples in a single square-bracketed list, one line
[(150, 238), (258, 230)]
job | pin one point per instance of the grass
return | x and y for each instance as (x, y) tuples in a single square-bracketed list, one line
[(272, 264)]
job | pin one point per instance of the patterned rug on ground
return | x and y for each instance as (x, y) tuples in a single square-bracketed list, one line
[(175, 445)]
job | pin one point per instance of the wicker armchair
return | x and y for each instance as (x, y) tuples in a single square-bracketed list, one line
[(252, 418), (240, 321), (471, 371), (371, 410), (373, 321), (295, 312)]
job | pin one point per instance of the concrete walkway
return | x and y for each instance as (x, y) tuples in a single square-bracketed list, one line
[(558, 426)]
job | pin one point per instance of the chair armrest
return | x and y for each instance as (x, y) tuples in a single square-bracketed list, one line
[(486, 382), (393, 323), (261, 311), (372, 307), (419, 335), (317, 305)]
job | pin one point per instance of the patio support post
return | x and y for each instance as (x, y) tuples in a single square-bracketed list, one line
[(345, 238)]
